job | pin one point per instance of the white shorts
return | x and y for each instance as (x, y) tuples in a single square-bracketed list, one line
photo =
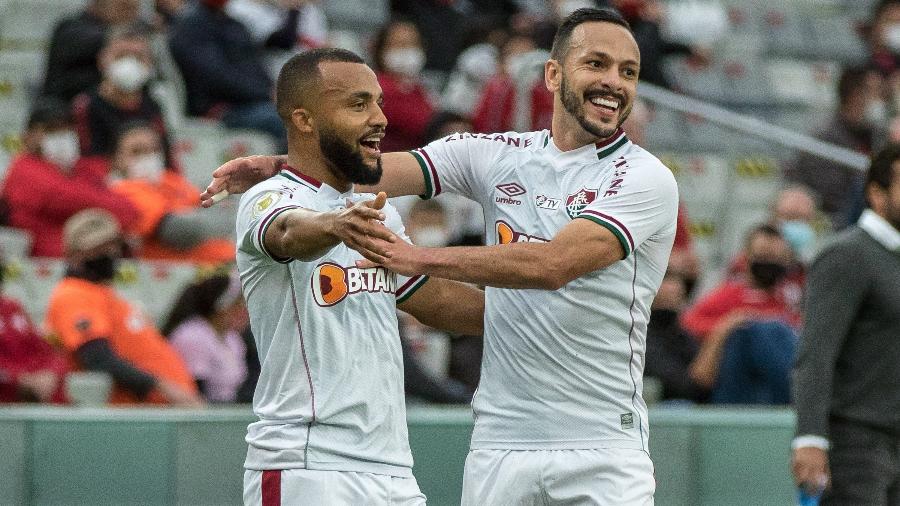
[(608, 477), (295, 487)]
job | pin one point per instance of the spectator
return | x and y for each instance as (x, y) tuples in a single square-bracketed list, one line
[(126, 64), (76, 42), (670, 350), (646, 18), (846, 377), (50, 181), (474, 68), (445, 123), (204, 327), (398, 58), (861, 111), (747, 328), (224, 74), (500, 105), (282, 27), (30, 369), (170, 224), (102, 331), (883, 37)]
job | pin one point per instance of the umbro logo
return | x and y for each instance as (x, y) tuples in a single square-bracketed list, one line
[(511, 189)]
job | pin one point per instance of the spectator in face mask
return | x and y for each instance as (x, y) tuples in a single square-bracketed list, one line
[(399, 59), (883, 37), (50, 180), (30, 369), (747, 328), (862, 114), (76, 42), (170, 224), (101, 331), (126, 63)]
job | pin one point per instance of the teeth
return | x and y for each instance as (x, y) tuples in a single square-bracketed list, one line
[(605, 102)]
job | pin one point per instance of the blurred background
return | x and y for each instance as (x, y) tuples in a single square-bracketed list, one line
[(766, 112)]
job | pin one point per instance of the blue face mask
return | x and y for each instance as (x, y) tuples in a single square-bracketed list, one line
[(798, 234)]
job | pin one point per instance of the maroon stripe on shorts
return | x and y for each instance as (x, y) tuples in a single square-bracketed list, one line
[(271, 488)]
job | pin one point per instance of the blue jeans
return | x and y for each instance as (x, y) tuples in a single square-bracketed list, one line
[(260, 116), (756, 365)]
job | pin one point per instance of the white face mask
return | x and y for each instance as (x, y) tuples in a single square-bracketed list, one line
[(892, 38), (407, 61), (149, 167), (877, 113), (432, 237), (61, 149), (128, 73)]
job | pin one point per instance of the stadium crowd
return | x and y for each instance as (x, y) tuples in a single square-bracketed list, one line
[(98, 179)]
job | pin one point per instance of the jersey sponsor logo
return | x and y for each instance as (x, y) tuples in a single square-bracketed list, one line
[(576, 202), (332, 283), (621, 168), (545, 202), (507, 235), (263, 202), (627, 420)]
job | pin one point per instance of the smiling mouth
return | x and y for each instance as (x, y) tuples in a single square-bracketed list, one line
[(372, 143), (606, 103)]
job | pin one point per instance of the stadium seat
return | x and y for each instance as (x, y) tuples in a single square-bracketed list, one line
[(28, 24), (199, 145), (794, 81)]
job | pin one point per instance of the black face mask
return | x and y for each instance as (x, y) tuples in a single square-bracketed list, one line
[(767, 274), (101, 268)]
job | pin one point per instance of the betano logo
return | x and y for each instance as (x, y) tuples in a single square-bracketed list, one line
[(506, 235), (332, 283)]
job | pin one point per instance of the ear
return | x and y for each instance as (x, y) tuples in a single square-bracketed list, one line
[(552, 75), (877, 197), (302, 120)]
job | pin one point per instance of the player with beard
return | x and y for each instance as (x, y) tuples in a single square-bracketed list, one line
[(581, 224), (330, 397)]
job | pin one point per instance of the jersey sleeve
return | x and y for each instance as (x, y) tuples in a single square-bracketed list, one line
[(406, 285), (259, 208), (639, 201), (459, 163)]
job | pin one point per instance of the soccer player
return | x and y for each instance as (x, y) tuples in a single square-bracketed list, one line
[(588, 219), (332, 421)]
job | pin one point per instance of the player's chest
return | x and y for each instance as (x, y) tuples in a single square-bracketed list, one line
[(533, 203)]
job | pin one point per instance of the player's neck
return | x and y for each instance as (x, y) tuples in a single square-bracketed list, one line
[(568, 134)]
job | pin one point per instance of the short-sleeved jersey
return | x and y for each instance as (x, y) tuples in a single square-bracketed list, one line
[(330, 394), (80, 311), (563, 369)]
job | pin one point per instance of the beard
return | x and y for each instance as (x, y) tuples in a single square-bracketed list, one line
[(347, 161), (575, 106)]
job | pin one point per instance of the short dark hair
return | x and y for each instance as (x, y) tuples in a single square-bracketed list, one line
[(301, 73), (851, 80), (49, 111), (881, 170), (129, 126), (586, 15), (765, 229)]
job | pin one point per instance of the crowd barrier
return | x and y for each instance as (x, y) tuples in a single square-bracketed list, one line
[(146, 456)]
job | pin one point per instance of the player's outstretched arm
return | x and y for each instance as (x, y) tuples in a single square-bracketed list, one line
[(306, 235), (579, 248), (455, 307), (402, 176)]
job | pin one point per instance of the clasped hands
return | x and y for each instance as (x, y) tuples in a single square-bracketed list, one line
[(361, 227)]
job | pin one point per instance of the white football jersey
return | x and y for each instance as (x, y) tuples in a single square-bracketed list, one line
[(330, 395), (563, 369)]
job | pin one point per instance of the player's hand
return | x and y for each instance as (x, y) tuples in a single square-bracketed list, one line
[(360, 225), (810, 468), (178, 396), (398, 256), (238, 176)]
